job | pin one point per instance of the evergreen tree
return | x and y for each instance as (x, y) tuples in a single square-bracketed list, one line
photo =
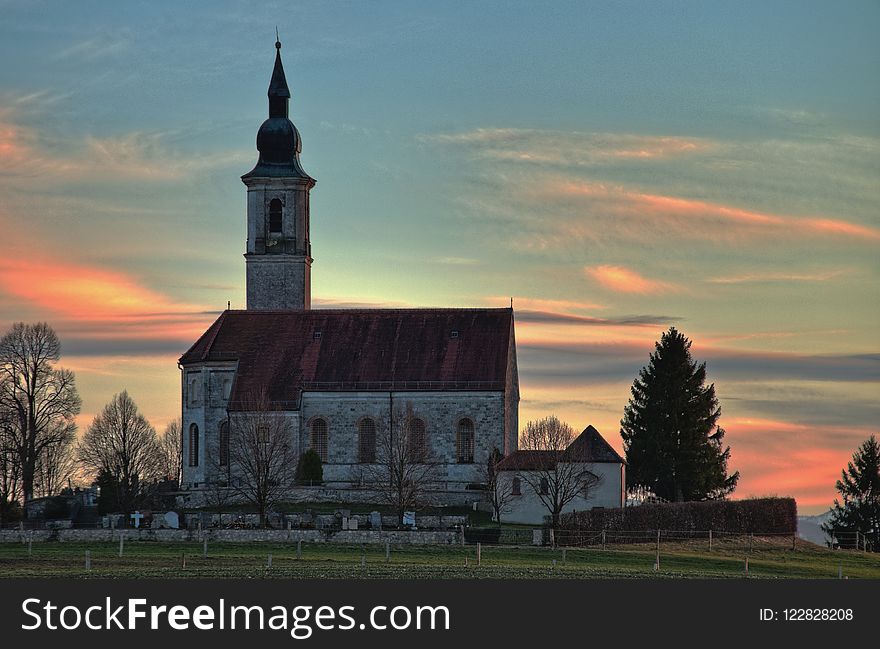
[(310, 470), (670, 428), (859, 485)]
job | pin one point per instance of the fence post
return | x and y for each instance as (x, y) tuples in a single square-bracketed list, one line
[(747, 566), (857, 539), (269, 562), (88, 560), (710, 540), (205, 547), (657, 562), (552, 538), (121, 543), (479, 554), (751, 536), (793, 541), (30, 543), (183, 560), (603, 539), (387, 550), (299, 548), (840, 571)]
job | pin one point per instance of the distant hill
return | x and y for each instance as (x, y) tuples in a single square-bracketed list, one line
[(809, 528)]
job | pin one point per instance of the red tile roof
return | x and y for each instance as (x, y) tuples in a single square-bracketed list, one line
[(359, 349), (589, 446)]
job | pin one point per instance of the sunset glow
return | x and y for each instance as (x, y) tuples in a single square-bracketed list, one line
[(613, 184)]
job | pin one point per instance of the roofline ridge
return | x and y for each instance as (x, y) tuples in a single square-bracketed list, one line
[(218, 325), (366, 309)]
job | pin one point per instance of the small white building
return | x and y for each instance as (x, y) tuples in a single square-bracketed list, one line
[(526, 473)]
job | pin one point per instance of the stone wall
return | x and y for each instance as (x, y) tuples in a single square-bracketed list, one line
[(417, 537), (440, 411)]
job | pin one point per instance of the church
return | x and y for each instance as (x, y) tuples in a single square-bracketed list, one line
[(341, 377)]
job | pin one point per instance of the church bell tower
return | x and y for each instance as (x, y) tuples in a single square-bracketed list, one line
[(279, 255)]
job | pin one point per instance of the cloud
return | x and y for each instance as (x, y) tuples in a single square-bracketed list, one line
[(100, 46), (578, 363), (567, 148), (624, 280), (550, 317), (543, 304), (456, 261), (768, 277), (554, 190), (693, 218), (100, 311), (139, 156)]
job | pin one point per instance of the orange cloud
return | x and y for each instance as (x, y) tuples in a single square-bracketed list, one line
[(689, 217), (99, 303), (624, 280)]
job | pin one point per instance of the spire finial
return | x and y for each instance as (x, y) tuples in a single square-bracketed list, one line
[(277, 39)]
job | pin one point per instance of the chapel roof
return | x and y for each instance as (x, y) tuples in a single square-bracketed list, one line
[(588, 447), (286, 352)]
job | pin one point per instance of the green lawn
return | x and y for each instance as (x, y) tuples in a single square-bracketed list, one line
[(150, 559)]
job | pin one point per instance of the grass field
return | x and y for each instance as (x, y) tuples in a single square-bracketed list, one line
[(149, 559)]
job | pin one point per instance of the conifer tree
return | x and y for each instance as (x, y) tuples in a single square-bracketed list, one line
[(859, 486), (670, 428)]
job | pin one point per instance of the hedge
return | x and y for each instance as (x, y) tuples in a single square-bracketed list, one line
[(756, 515)]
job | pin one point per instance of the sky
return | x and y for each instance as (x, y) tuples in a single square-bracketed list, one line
[(615, 167)]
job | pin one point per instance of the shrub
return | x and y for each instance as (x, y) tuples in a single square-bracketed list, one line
[(487, 535), (310, 469), (56, 508), (755, 515)]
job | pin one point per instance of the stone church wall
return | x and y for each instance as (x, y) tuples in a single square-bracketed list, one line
[(440, 411)]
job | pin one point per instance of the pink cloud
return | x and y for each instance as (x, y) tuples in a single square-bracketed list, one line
[(94, 302), (625, 280), (645, 212)]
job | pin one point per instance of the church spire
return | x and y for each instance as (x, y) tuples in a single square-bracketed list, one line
[(279, 93)]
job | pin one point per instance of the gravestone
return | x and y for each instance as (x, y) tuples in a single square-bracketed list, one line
[(409, 518), (136, 517), (352, 523), (172, 520), (375, 520)]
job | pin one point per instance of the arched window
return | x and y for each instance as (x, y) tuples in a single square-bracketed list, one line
[(416, 439), (464, 441), (227, 388), (367, 441), (193, 391), (318, 438), (275, 219), (224, 443), (516, 490), (193, 445)]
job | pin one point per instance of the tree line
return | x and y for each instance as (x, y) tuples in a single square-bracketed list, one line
[(40, 454)]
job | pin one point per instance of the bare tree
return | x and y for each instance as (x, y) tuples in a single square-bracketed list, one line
[(171, 451), (557, 476), (499, 491), (10, 467), (261, 457), (123, 444), (39, 401), (57, 468), (404, 469)]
